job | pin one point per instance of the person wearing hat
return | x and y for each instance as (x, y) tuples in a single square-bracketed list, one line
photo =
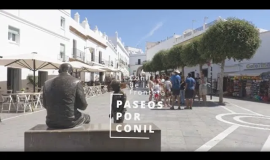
[(176, 84)]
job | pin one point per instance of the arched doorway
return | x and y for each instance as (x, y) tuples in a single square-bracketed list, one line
[(139, 70)]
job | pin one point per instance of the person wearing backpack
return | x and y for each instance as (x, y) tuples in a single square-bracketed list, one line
[(176, 84)]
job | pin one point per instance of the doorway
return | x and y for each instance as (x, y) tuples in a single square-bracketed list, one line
[(192, 74), (205, 72), (14, 81), (100, 57), (225, 83), (101, 77), (42, 77)]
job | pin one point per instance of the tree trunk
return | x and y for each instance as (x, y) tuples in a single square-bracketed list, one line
[(200, 68), (183, 71), (221, 82)]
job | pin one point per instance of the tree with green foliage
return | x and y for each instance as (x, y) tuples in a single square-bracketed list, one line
[(147, 66), (192, 55), (230, 39), (157, 61), (174, 57), (165, 61)]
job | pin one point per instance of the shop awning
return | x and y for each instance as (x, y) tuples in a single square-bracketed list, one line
[(252, 72), (81, 67)]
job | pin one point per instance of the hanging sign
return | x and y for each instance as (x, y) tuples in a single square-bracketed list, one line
[(258, 65)]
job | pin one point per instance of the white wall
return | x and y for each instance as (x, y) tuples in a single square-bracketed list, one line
[(163, 45), (82, 25), (133, 62), (112, 54), (122, 53), (40, 32)]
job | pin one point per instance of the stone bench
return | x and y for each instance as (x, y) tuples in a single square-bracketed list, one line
[(92, 137)]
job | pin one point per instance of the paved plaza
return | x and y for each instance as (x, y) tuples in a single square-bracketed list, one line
[(236, 126)]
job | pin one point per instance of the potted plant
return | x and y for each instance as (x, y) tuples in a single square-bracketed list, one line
[(22, 90)]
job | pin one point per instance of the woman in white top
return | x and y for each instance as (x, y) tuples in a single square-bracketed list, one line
[(151, 85), (167, 88), (203, 88), (156, 87)]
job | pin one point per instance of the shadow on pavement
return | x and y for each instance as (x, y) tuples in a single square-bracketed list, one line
[(244, 99), (195, 104)]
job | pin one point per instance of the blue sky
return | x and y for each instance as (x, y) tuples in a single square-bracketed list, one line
[(136, 27)]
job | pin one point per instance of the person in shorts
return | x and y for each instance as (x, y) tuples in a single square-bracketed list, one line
[(176, 84), (189, 91), (203, 88), (167, 87), (182, 91)]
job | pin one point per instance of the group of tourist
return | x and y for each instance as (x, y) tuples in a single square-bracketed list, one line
[(175, 87)]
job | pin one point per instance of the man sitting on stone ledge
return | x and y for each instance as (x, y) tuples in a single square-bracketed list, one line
[(62, 97), (118, 95)]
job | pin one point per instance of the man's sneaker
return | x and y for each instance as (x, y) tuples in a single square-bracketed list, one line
[(172, 108)]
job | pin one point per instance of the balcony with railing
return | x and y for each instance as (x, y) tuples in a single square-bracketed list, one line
[(194, 33), (137, 63), (62, 58), (78, 54)]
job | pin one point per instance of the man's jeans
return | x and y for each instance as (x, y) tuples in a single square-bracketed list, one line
[(182, 96)]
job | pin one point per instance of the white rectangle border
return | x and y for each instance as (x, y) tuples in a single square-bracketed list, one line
[(110, 133)]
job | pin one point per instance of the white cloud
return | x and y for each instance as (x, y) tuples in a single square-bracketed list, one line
[(151, 32)]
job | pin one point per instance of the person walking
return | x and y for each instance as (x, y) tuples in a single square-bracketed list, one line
[(182, 91), (203, 88), (176, 81), (189, 91)]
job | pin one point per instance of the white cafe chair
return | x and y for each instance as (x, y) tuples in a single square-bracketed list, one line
[(22, 103), (7, 102)]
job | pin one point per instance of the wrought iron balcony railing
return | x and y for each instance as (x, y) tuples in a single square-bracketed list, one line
[(78, 54)]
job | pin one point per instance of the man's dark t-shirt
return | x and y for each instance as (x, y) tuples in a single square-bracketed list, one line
[(197, 83), (183, 84), (190, 83)]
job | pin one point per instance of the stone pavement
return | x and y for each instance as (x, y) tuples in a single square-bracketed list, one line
[(201, 129)]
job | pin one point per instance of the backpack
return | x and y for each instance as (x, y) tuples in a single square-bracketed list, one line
[(176, 83)]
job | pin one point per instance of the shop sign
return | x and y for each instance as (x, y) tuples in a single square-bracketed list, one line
[(258, 65), (247, 77)]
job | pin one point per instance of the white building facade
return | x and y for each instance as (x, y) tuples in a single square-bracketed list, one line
[(88, 46), (136, 59), (154, 47), (45, 32), (230, 66), (122, 61)]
